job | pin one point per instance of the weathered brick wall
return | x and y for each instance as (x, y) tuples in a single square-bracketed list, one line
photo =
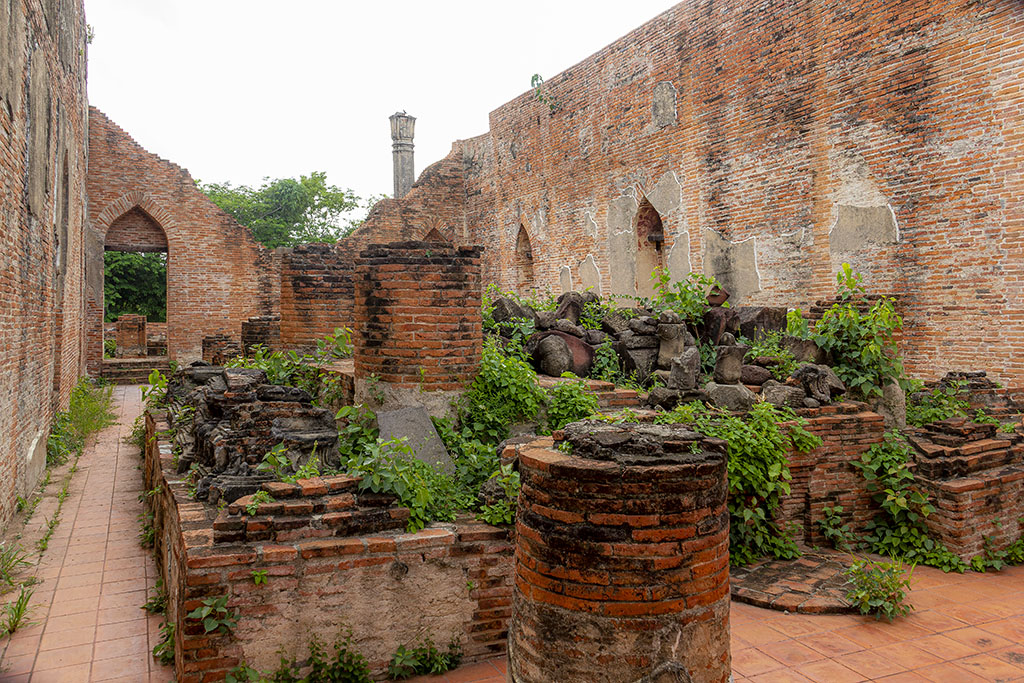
[(131, 336), (775, 142), (217, 274), (323, 572), (43, 122), (417, 315), (824, 476), (317, 292)]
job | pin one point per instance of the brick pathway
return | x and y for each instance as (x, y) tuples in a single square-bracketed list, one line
[(94, 576)]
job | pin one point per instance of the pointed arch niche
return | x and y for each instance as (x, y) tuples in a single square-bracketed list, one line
[(523, 262), (650, 242), (434, 236)]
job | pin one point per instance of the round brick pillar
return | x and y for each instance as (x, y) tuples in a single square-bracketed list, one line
[(418, 325), (622, 558)]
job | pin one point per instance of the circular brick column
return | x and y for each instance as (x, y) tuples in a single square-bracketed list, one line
[(418, 323), (622, 558)]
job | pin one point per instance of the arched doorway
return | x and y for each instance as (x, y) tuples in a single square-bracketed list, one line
[(650, 242), (523, 263)]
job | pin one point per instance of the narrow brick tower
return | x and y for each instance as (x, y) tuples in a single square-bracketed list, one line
[(402, 128)]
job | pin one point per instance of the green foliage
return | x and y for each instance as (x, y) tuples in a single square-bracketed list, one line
[(941, 403), (503, 511), (607, 366), (346, 665), (135, 283), (359, 430), (505, 392), (758, 471), (257, 498), (423, 659), (285, 212), (109, 348), (688, 297), (157, 603), (137, 436), (796, 325), (880, 588), (390, 467), (14, 615), (769, 345), (147, 532), (516, 329), (163, 651), (12, 558), (708, 358), (88, 412), (593, 314), (259, 576), (569, 401), (155, 394), (837, 532), (542, 95), (306, 372), (863, 345), (215, 615), (899, 530), (983, 418)]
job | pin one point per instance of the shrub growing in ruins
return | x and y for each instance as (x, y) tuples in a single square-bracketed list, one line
[(898, 531), (758, 471), (303, 371), (568, 402), (346, 665), (941, 403), (880, 588), (424, 659), (505, 392), (687, 297), (503, 510), (862, 344), (769, 345), (89, 411)]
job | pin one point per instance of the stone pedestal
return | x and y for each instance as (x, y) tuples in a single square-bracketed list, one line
[(131, 336)]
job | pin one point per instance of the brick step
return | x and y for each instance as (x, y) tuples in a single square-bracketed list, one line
[(133, 370)]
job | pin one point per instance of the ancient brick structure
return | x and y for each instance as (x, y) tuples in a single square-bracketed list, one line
[(217, 275), (767, 145), (131, 336), (317, 292), (622, 558), (418, 322), (43, 128), (332, 556), (264, 330), (974, 476), (218, 348)]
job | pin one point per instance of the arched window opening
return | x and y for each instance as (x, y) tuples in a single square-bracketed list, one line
[(523, 262), (650, 237)]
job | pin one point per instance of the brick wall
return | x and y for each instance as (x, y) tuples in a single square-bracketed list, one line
[(43, 132), (824, 476), (317, 292), (417, 315), (330, 561), (776, 142), (217, 274)]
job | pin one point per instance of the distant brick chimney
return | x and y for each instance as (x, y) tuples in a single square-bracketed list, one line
[(402, 128)]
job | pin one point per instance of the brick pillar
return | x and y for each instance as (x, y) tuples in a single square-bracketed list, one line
[(262, 329), (131, 336), (622, 558), (218, 348), (418, 326)]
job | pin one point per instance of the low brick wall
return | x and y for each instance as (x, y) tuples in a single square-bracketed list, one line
[(825, 476), (389, 587)]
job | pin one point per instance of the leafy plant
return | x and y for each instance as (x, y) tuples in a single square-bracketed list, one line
[(758, 471), (569, 401), (423, 659), (163, 651), (257, 498), (504, 392), (157, 603), (796, 325), (15, 614), (155, 394), (837, 532), (147, 532), (12, 558), (503, 511), (607, 366), (880, 588), (346, 666), (863, 345), (215, 615), (898, 531), (389, 467), (941, 403), (687, 297), (259, 576), (769, 345)]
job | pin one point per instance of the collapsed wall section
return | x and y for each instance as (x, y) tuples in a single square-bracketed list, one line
[(43, 129)]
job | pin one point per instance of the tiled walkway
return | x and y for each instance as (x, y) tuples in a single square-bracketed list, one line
[(94, 577)]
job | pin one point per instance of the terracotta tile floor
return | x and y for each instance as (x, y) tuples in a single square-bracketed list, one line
[(87, 624), (94, 577)]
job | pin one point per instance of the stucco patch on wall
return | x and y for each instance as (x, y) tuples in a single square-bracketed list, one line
[(590, 276), (678, 258), (734, 264)]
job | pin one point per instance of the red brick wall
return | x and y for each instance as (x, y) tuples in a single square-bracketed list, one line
[(417, 315), (389, 587), (42, 229), (217, 274), (788, 117), (317, 292)]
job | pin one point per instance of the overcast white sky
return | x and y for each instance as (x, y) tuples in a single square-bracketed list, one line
[(236, 90)]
